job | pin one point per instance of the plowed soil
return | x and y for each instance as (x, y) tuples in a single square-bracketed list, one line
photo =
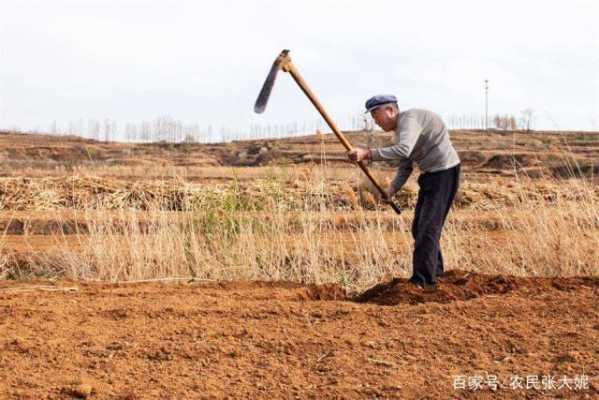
[(283, 340)]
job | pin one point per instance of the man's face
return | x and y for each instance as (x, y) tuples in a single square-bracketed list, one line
[(385, 117)]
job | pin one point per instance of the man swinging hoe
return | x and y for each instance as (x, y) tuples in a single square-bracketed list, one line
[(420, 138)]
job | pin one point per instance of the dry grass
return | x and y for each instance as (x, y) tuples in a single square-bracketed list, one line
[(534, 228), (151, 212)]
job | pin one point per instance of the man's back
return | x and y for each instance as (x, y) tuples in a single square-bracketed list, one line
[(420, 136)]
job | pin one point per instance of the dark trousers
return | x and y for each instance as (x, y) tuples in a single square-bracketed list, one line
[(437, 191)]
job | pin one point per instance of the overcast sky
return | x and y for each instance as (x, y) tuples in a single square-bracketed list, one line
[(204, 61)]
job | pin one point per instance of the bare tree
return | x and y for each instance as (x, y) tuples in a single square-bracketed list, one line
[(527, 117), (505, 122)]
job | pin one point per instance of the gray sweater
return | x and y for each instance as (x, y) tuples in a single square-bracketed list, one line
[(420, 137)]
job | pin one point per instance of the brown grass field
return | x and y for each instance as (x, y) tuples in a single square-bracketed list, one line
[(269, 268)]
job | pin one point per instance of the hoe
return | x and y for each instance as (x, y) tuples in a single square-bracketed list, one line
[(283, 61)]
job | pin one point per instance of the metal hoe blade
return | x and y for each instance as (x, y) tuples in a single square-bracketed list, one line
[(262, 99)]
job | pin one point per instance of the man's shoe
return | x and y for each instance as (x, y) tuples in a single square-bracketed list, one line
[(425, 286)]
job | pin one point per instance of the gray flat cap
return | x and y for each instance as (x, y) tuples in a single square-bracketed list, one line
[(379, 100)]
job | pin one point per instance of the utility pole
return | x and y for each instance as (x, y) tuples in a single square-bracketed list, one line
[(486, 104)]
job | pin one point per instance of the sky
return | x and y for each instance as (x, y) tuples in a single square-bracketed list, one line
[(204, 62)]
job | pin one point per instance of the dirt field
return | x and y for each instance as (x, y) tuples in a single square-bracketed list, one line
[(284, 340), (274, 272)]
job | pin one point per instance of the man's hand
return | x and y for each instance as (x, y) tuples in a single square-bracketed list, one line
[(390, 191), (358, 154)]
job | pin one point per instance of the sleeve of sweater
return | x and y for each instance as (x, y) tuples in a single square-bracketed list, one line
[(403, 173), (409, 131)]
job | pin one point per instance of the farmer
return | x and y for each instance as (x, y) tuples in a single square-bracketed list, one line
[(420, 137)]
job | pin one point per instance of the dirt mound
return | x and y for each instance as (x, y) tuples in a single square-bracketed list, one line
[(575, 171), (327, 291), (463, 285), (509, 161), (471, 157), (256, 154)]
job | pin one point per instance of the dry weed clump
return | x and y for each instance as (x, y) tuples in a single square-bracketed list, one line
[(286, 186)]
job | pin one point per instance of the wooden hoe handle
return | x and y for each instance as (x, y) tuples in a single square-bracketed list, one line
[(287, 66)]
